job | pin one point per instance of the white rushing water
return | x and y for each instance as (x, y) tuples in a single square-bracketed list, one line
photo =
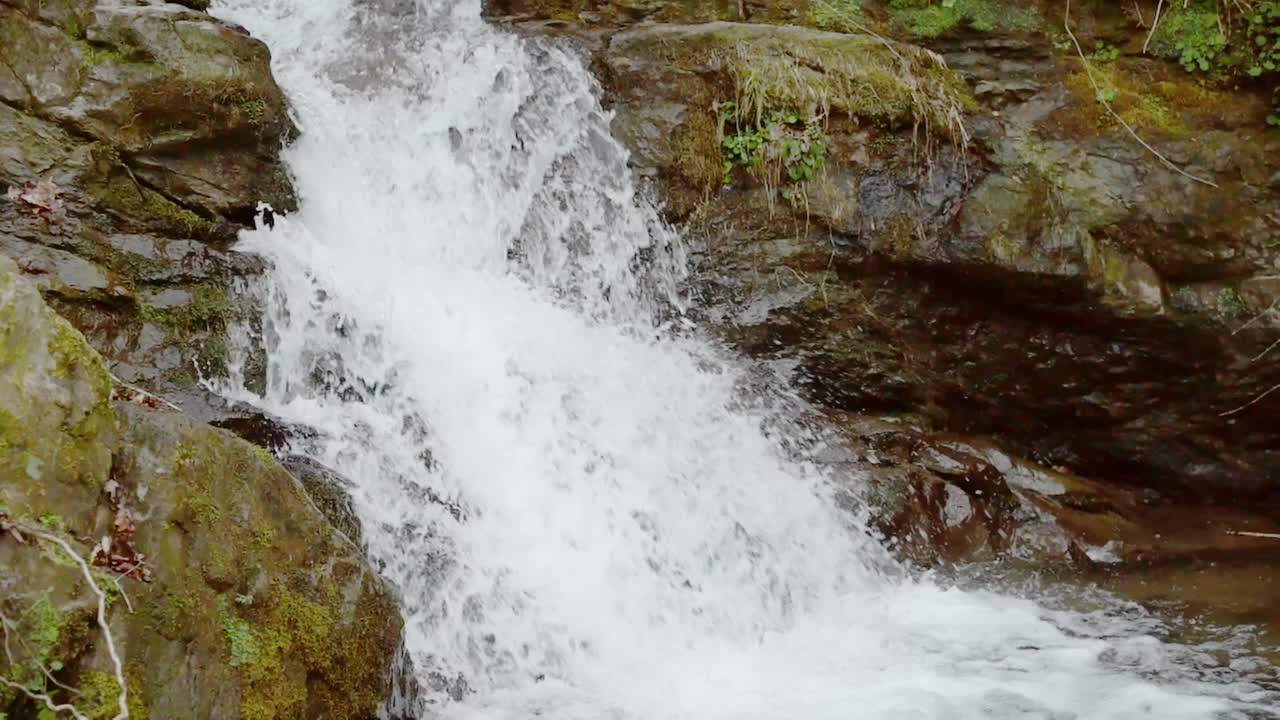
[(587, 515)]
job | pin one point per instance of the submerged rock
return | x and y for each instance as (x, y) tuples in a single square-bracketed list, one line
[(230, 594)]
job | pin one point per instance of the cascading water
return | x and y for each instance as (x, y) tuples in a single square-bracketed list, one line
[(586, 514)]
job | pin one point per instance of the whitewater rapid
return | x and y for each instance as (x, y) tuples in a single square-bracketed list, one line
[(588, 510)]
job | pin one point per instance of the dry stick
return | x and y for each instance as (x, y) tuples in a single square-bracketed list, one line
[(1258, 317), (1088, 71), (1251, 402), (102, 623), (143, 393), (1270, 347), (1154, 24), (1247, 533)]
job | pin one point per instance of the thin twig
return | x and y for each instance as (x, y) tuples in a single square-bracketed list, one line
[(1270, 347), (1258, 317), (43, 698), (1247, 533), (1088, 71), (1251, 402), (144, 393), (1154, 24)]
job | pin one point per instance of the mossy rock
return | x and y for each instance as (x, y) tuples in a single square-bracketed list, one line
[(256, 606), (672, 83), (56, 421)]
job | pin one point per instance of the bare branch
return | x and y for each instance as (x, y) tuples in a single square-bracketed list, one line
[(117, 664), (46, 700)]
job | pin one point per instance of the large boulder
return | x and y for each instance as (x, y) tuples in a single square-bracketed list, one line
[(229, 594)]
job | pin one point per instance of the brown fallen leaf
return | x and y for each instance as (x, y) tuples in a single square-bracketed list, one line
[(40, 199)]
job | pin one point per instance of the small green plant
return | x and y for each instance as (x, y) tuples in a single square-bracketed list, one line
[(1104, 53), (1192, 35), (51, 521), (1263, 27), (244, 600), (782, 144), (1230, 306)]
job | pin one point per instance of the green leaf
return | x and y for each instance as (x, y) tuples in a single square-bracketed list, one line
[(1255, 71)]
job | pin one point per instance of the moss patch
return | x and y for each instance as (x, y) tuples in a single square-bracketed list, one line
[(930, 18)]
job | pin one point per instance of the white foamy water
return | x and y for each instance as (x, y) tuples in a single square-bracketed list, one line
[(587, 512)]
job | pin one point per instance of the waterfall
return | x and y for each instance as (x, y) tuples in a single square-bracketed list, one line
[(590, 510)]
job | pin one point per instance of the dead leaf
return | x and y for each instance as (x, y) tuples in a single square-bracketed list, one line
[(40, 199)]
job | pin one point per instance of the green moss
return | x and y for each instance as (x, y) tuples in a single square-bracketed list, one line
[(292, 630), (697, 150), (118, 193), (72, 27), (71, 352), (930, 18), (181, 377), (242, 644), (838, 15), (1146, 106), (209, 309), (853, 75), (100, 696)]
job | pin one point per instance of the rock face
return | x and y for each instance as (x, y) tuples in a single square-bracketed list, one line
[(1045, 345), (1038, 276), (155, 131), (230, 594)]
